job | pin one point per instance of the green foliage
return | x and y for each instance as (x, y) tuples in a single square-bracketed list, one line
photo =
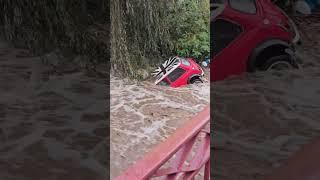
[(189, 28), (144, 32), (139, 35), (77, 26)]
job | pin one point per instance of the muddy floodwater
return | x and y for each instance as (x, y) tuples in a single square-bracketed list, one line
[(52, 126), (144, 114), (261, 119)]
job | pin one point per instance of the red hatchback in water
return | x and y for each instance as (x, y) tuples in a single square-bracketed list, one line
[(178, 71), (250, 35)]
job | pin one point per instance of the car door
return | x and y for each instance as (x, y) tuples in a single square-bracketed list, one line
[(232, 38)]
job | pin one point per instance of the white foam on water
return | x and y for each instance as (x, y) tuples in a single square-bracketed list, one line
[(152, 130), (142, 113)]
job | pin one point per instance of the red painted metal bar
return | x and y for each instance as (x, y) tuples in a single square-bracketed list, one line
[(177, 148)]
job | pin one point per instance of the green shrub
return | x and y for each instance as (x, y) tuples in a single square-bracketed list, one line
[(144, 32), (76, 26), (139, 35), (189, 28)]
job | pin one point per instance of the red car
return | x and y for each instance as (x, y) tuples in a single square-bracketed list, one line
[(178, 71), (248, 36)]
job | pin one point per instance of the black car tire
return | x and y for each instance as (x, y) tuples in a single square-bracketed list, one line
[(196, 81), (280, 62)]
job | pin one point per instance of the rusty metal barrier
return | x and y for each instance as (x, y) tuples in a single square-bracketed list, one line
[(184, 155)]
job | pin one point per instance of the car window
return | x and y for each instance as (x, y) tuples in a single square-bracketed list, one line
[(185, 62), (247, 6), (222, 33), (175, 74)]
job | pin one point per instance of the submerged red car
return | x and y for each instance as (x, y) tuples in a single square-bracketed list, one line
[(178, 71), (248, 36)]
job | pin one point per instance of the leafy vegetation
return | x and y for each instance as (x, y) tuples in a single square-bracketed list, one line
[(139, 35), (144, 32), (189, 21), (74, 26)]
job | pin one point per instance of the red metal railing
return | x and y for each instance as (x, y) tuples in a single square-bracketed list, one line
[(182, 156)]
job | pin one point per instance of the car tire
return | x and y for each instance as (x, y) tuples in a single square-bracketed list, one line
[(281, 62), (196, 81)]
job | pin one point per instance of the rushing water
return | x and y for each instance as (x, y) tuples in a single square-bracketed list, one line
[(64, 118), (51, 127), (261, 119), (144, 114)]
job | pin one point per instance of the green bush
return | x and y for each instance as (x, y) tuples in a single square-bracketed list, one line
[(189, 28), (74, 26), (144, 33), (139, 35)]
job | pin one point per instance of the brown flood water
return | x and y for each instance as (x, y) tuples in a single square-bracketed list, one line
[(261, 119), (50, 130), (144, 114), (61, 125)]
